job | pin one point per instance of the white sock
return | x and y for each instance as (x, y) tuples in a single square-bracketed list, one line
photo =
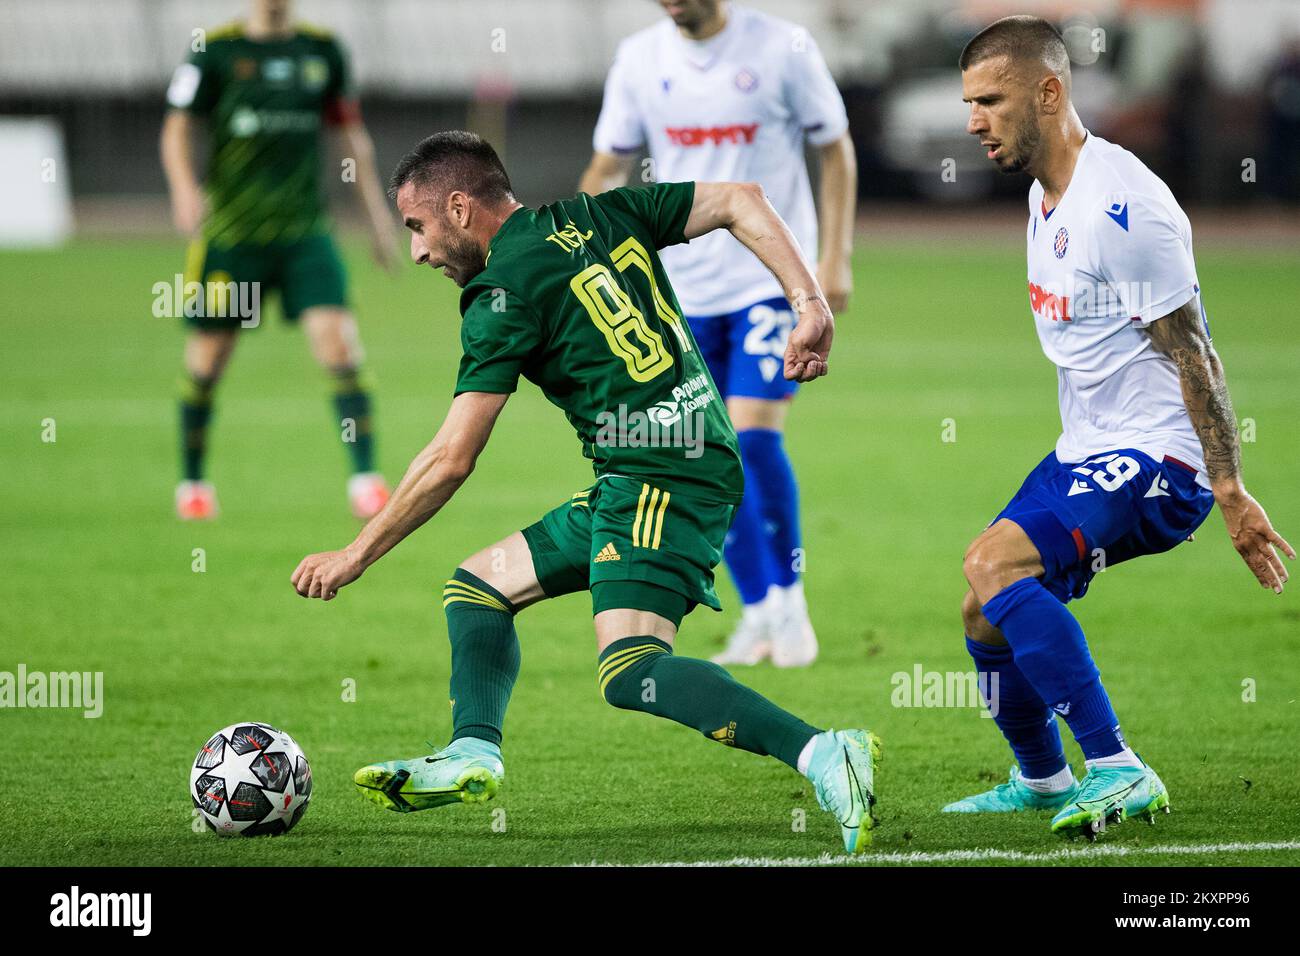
[(761, 612), (754, 614), (805, 755), (1063, 779), (789, 600), (1125, 758)]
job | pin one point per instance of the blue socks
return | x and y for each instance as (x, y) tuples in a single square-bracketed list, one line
[(1028, 724), (1050, 651), (761, 545), (747, 557), (767, 468)]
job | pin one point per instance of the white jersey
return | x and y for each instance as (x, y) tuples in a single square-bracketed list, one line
[(1114, 256), (736, 107)]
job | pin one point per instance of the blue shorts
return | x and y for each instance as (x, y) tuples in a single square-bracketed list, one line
[(745, 350), (1115, 506)]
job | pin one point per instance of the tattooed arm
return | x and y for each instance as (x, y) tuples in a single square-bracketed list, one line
[(1181, 336)]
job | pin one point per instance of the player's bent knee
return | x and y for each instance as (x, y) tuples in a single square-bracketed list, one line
[(507, 566), (998, 558), (981, 565)]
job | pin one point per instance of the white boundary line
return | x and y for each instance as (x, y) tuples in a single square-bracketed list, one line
[(979, 856)]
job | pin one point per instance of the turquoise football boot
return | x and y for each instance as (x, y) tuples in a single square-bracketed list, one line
[(467, 770), (1112, 794), (1011, 797), (843, 774)]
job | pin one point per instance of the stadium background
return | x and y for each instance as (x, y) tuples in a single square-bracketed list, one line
[(96, 575)]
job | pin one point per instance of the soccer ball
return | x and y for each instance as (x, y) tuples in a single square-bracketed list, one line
[(250, 780)]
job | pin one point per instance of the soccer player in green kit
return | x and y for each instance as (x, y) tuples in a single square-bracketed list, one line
[(264, 89), (572, 297)]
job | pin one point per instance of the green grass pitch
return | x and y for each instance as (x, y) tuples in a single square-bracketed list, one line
[(96, 575)]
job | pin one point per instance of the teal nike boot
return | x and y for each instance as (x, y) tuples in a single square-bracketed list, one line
[(467, 770), (843, 771), (1011, 797), (1112, 794)]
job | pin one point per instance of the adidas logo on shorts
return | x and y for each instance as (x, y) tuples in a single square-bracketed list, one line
[(608, 553)]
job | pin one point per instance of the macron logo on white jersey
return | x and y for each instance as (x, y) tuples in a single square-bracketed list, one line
[(1118, 211)]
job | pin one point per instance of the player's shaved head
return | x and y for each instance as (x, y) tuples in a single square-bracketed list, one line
[(1029, 44), (1015, 73), (454, 160), (453, 194)]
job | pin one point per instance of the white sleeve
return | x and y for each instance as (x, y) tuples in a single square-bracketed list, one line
[(619, 128), (1145, 257), (184, 84), (811, 91)]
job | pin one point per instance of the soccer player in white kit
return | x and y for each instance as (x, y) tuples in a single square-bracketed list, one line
[(1149, 441), (718, 92)]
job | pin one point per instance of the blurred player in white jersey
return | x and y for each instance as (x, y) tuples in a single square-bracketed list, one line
[(1149, 441), (718, 92)]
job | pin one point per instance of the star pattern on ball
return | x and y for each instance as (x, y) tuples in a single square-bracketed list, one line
[(259, 788), (237, 769)]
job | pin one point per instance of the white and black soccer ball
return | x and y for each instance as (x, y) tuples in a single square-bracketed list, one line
[(251, 780)]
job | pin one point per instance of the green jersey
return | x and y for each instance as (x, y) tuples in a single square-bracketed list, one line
[(265, 102), (575, 300)]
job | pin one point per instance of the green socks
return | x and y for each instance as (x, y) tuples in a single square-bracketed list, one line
[(196, 412), (484, 656), (641, 673), (352, 406), (635, 673)]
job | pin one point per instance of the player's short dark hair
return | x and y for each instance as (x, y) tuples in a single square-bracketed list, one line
[(450, 160), (1024, 39)]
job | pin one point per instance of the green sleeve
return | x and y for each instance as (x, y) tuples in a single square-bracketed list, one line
[(662, 208), (499, 336)]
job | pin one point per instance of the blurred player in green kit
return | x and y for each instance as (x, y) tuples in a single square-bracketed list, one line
[(264, 88)]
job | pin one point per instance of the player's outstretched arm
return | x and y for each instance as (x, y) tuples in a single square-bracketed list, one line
[(1182, 336), (743, 209), (430, 481)]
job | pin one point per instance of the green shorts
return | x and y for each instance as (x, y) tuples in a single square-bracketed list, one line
[(633, 546), (237, 279)]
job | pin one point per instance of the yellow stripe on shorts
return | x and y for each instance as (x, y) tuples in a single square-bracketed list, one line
[(659, 520), (648, 528), (640, 511)]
